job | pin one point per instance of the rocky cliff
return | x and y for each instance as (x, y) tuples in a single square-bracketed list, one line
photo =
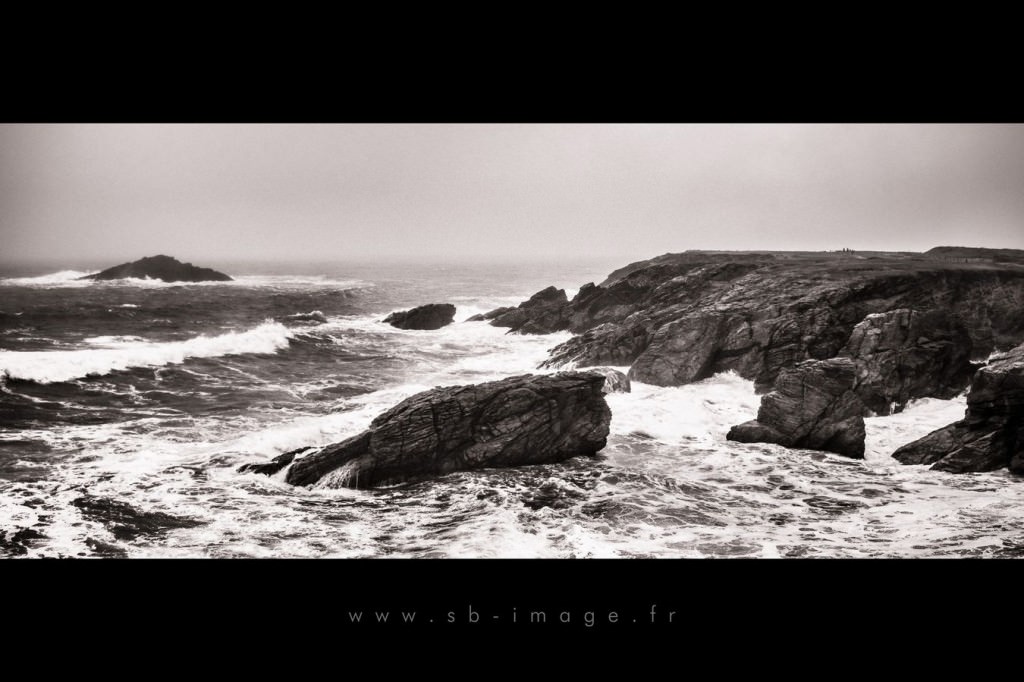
[(991, 434), (681, 318), (889, 359)]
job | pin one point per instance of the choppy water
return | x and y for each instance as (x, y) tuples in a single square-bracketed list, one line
[(127, 407)]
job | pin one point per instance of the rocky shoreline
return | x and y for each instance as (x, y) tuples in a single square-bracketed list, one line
[(827, 338), (830, 338)]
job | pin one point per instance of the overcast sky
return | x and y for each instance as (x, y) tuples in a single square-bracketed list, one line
[(221, 192)]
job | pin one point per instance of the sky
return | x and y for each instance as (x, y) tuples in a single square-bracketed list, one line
[(501, 192)]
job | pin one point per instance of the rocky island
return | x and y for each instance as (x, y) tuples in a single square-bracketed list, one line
[(163, 268)]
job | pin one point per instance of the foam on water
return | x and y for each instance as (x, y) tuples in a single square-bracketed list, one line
[(52, 366), (72, 279), (64, 277)]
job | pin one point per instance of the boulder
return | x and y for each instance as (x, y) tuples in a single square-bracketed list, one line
[(614, 380), (160, 267), (991, 434), (430, 316), (522, 420), (813, 406)]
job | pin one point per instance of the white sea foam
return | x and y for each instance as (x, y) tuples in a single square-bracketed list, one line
[(111, 341), (51, 366), (670, 414), (884, 435), (72, 279), (64, 277)]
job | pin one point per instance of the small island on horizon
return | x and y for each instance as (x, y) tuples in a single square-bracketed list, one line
[(164, 268)]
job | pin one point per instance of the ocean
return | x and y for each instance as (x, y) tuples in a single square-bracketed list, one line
[(127, 407)]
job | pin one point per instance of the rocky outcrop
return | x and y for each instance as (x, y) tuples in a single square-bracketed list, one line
[(430, 316), (890, 359), (813, 406), (904, 354), (614, 380), (681, 318), (529, 419), (543, 313), (160, 267), (991, 435), (485, 317)]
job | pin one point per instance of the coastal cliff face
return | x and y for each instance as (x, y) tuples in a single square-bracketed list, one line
[(681, 318), (833, 337), (991, 434), (890, 359), (529, 419)]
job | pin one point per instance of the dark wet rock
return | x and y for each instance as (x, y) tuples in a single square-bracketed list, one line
[(813, 406), (274, 465), (160, 267), (554, 495), (543, 313), (991, 434), (14, 542), (904, 354), (126, 522), (607, 344), (483, 317), (832, 505), (681, 318), (106, 549), (890, 358), (614, 380), (529, 419), (430, 316)]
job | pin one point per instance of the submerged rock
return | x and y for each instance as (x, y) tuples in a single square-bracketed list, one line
[(312, 316), (529, 419), (126, 522), (430, 316), (161, 267), (991, 434)]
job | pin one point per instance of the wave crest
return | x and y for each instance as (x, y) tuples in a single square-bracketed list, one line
[(46, 367)]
